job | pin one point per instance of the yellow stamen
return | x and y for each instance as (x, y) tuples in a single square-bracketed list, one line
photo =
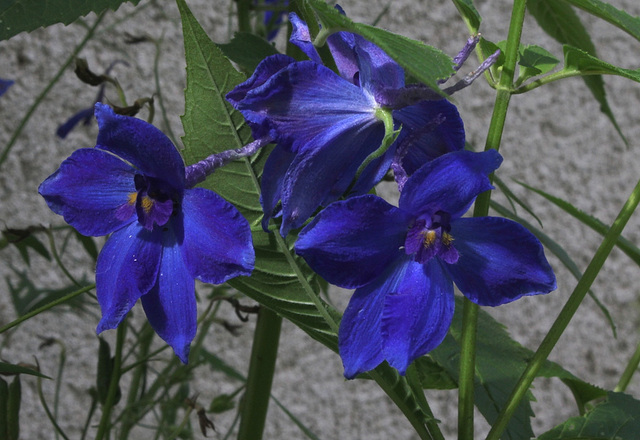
[(429, 238), (131, 198), (447, 239), (147, 204)]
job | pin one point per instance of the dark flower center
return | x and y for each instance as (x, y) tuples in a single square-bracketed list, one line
[(154, 201), (431, 237)]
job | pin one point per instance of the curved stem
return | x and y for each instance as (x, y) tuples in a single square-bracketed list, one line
[(481, 209), (261, 369), (565, 315)]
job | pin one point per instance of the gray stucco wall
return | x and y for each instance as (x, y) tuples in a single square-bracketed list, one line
[(556, 139)]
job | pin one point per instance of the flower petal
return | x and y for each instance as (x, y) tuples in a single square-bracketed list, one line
[(64, 129), (92, 190), (301, 37), (170, 305), (305, 99), (4, 85), (429, 140), (217, 242), (127, 268), (500, 261), (342, 46), (401, 315), (449, 183), (352, 241), (275, 168), (378, 71), (417, 312), (141, 144), (323, 171)]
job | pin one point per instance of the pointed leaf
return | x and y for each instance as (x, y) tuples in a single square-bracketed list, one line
[(424, 63), (561, 22), (247, 50), (11, 369), (576, 60), (617, 418), (212, 125), (469, 14), (27, 15), (616, 17), (535, 60)]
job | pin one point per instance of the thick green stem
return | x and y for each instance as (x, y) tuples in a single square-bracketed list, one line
[(263, 362), (105, 420), (481, 209), (565, 315), (45, 92)]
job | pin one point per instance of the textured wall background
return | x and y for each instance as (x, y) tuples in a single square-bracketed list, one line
[(555, 139)]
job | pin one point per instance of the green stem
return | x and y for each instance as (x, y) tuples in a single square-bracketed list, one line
[(481, 209), (632, 367), (565, 315), (47, 89), (105, 420), (261, 369), (46, 307), (244, 19)]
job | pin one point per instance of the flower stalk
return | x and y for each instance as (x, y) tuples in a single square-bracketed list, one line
[(261, 368), (481, 208)]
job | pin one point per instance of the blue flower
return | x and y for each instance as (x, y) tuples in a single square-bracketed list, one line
[(163, 233), (4, 85), (326, 124), (403, 260)]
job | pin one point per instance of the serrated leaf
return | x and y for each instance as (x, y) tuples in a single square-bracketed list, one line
[(212, 125), (469, 14), (247, 50), (433, 376), (424, 63), (27, 15), (535, 60), (561, 22), (616, 17), (499, 363), (617, 418)]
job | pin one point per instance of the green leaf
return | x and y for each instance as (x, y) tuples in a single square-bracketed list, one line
[(625, 245), (424, 63), (247, 50), (11, 369), (433, 376), (469, 14), (27, 15), (499, 363), (561, 22), (616, 17), (616, 418), (535, 60), (578, 61), (212, 125)]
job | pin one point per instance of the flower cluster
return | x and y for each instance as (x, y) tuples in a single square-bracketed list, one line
[(336, 135), (327, 124)]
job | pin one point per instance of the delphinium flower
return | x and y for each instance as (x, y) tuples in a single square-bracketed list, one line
[(327, 124), (164, 233), (403, 261), (4, 85)]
